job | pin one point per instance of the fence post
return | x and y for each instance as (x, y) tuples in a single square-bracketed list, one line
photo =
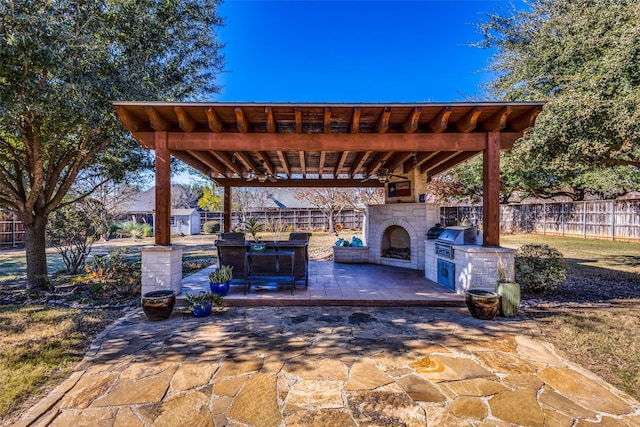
[(584, 219), (562, 217), (613, 220), (544, 219)]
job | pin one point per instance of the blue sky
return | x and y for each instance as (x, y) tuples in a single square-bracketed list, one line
[(353, 51)]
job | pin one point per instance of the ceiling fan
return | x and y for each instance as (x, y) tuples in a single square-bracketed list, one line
[(383, 175), (261, 175)]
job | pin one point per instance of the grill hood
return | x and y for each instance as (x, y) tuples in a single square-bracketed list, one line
[(459, 236)]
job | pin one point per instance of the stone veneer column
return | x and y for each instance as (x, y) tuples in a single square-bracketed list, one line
[(162, 268)]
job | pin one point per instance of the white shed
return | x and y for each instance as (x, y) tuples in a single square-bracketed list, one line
[(185, 221)]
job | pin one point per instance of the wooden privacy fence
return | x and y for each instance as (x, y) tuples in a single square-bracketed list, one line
[(297, 218), (602, 219), (599, 219), (11, 229)]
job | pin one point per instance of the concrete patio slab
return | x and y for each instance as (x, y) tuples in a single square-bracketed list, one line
[(333, 284)]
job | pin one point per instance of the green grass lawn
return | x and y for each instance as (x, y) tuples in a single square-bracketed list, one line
[(583, 253)]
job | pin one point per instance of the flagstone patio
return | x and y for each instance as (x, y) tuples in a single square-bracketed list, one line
[(329, 366)]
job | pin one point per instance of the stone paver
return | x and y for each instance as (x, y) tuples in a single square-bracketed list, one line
[(329, 366)]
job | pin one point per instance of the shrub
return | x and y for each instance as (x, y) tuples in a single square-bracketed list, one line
[(112, 275), (147, 230), (539, 267), (211, 227)]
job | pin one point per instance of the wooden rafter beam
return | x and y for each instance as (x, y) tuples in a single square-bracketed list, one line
[(303, 163), (271, 121), (359, 163), (382, 125), (210, 161), (215, 124), (298, 116), (158, 123), (420, 158), (498, 121), (129, 121), (327, 120), (440, 123), (355, 120), (195, 163), (469, 121), (398, 159), (241, 120), (301, 183), (340, 164), (410, 124), (524, 121), (437, 160), (228, 162), (453, 161), (245, 160), (185, 121), (419, 141), (323, 156), (264, 159), (284, 162)]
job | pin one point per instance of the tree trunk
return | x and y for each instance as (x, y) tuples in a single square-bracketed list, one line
[(34, 241), (331, 226)]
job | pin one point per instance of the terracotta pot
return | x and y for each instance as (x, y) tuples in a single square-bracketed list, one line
[(482, 304), (158, 305)]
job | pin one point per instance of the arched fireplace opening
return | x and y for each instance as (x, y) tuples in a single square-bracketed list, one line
[(396, 243)]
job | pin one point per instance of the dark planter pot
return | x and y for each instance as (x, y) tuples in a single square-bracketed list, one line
[(219, 288), (158, 305), (203, 310), (483, 304)]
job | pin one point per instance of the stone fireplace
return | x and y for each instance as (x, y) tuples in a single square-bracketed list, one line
[(395, 231), (396, 243), (400, 226)]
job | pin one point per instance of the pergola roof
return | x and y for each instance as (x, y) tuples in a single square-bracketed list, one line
[(250, 144)]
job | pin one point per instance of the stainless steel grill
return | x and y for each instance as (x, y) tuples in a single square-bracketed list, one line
[(455, 236)]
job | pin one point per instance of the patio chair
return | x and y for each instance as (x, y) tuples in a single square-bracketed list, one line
[(231, 253), (301, 264), (233, 235), (299, 236)]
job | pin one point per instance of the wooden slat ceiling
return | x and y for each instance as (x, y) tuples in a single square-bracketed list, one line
[(247, 144)]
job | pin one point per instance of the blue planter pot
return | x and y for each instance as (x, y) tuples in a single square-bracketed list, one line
[(221, 289), (201, 310)]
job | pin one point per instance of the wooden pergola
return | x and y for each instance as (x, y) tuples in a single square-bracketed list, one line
[(324, 145)]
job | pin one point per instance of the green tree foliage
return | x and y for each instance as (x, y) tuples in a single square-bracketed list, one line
[(583, 58), (61, 63), (210, 199), (73, 229)]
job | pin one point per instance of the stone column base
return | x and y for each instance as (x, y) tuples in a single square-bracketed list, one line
[(162, 268)]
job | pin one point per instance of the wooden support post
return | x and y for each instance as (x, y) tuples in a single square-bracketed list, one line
[(163, 189), (227, 208), (491, 190)]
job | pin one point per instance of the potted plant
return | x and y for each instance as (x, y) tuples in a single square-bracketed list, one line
[(220, 279), (253, 227), (507, 289), (200, 304)]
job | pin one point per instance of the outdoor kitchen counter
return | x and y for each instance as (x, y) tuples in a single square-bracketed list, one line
[(476, 266)]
